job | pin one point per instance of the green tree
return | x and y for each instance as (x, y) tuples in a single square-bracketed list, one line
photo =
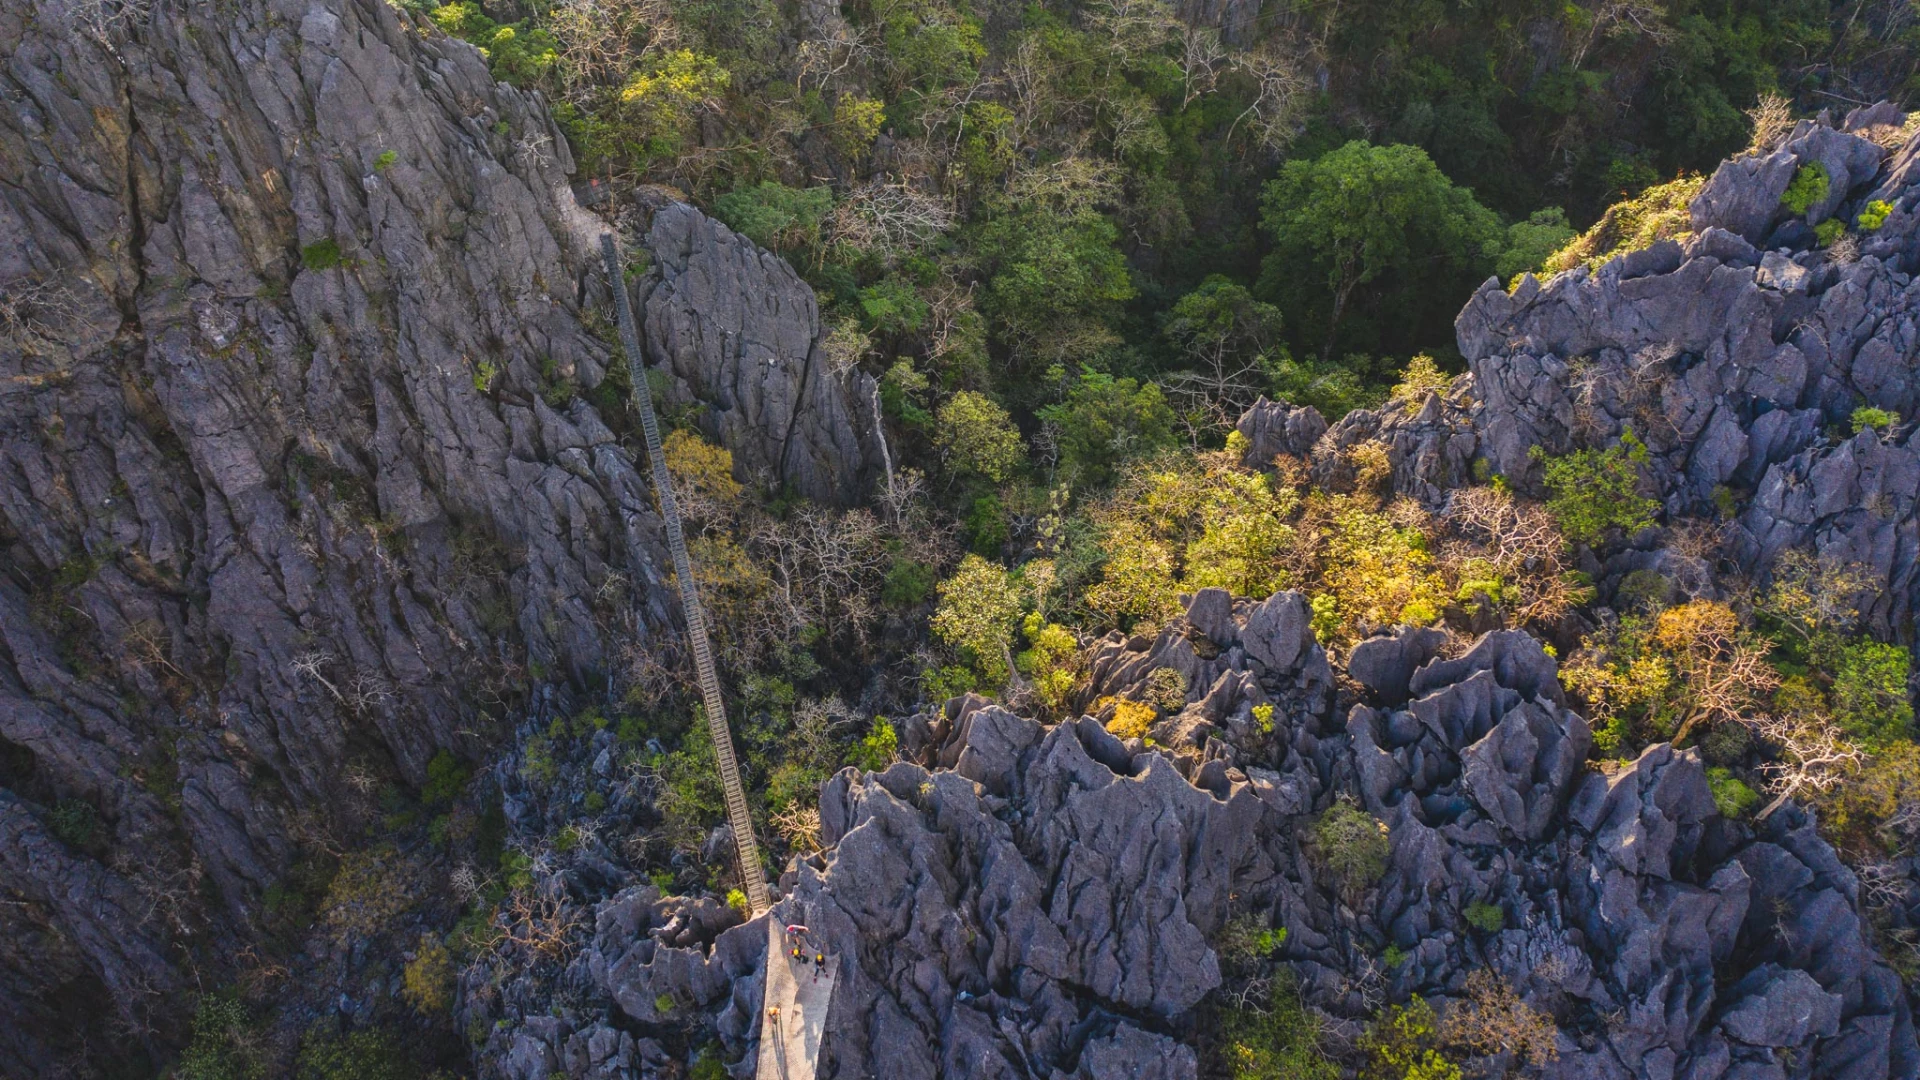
[(775, 216), (1530, 242), (977, 613), (1055, 276), (1106, 420), (1382, 218), (976, 437), (1592, 491), (1226, 341)]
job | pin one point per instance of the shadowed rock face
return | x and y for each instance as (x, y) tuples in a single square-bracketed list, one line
[(291, 463)]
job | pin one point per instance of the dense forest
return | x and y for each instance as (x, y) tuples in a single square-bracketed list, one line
[(1072, 244), (1009, 196)]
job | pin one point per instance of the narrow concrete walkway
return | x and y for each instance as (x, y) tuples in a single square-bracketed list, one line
[(794, 1010)]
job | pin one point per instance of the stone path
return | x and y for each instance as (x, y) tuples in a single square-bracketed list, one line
[(790, 1037)]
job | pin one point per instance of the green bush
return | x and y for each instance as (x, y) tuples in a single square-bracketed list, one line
[(1732, 797), (1874, 215), (1351, 845), (1808, 187), (359, 1055), (1486, 918), (446, 779), (878, 749), (224, 1044), (1878, 419), (775, 216), (893, 306), (1532, 242), (908, 582), (75, 823), (986, 526), (1829, 231), (323, 254), (1593, 491)]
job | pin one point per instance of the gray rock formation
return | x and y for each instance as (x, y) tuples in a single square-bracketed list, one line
[(1045, 901), (1738, 354), (1274, 427), (741, 331), (293, 466)]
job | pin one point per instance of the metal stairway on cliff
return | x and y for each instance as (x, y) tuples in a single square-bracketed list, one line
[(753, 880)]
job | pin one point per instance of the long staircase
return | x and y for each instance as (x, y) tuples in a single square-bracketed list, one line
[(753, 879)]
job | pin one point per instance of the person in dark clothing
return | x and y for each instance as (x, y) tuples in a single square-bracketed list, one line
[(819, 965)]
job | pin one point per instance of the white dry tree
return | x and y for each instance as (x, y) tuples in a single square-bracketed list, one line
[(1813, 756)]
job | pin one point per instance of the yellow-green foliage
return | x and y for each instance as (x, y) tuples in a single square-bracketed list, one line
[(427, 980), (856, 120), (1874, 215), (1376, 570), (1658, 213), (1879, 420), (978, 610), (1422, 377), (1400, 1045), (1187, 523), (371, 889), (976, 435), (1051, 660), (655, 109), (1131, 719), (1809, 185)]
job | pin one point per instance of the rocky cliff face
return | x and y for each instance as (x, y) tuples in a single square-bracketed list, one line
[(295, 470)]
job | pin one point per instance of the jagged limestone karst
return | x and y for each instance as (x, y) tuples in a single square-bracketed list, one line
[(305, 452), (298, 465), (1017, 899)]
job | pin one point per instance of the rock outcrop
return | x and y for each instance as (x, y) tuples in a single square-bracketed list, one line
[(1030, 900), (741, 332), (1738, 353), (294, 462)]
